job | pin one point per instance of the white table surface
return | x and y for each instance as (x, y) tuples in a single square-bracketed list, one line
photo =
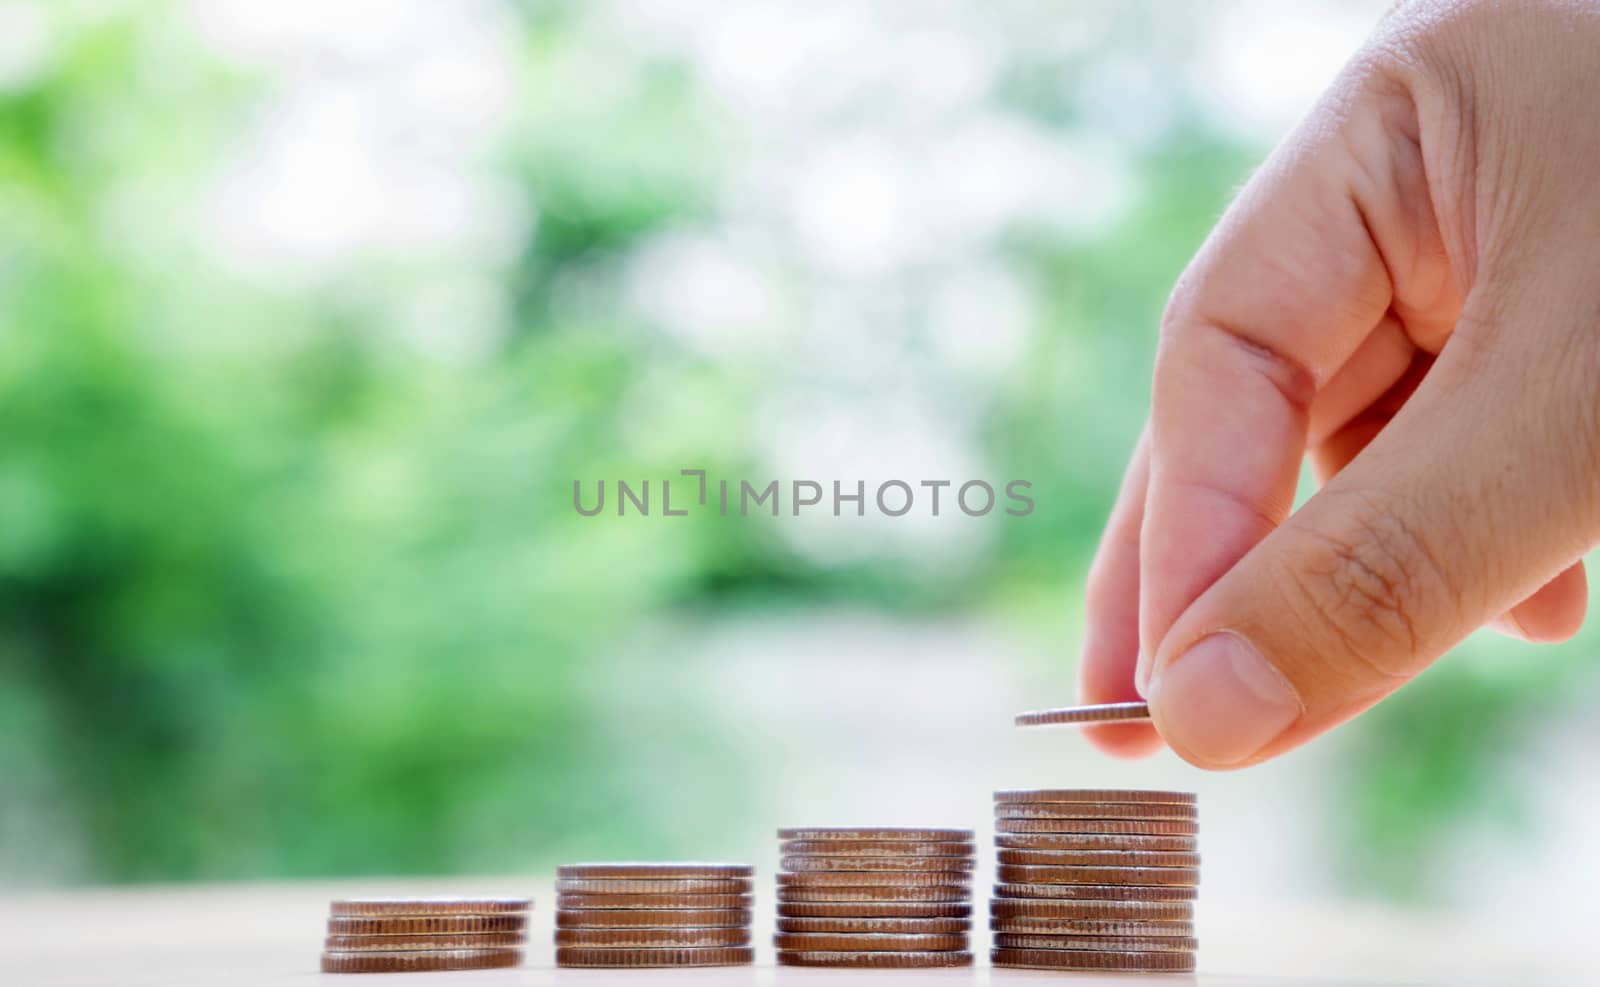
[(270, 934)]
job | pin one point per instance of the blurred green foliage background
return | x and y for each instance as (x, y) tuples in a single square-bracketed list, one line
[(289, 579)]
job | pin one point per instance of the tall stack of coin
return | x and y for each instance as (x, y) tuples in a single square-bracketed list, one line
[(875, 898), (1095, 880), (653, 915), (400, 935)]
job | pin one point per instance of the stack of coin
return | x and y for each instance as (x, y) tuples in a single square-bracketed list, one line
[(1095, 880), (875, 898), (400, 935), (653, 915)]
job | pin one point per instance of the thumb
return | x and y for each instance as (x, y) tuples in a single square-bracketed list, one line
[(1479, 491)]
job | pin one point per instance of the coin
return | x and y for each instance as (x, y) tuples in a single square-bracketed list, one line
[(949, 892), (1145, 944), (864, 878), (878, 835), (402, 944), (861, 959), (1076, 959), (413, 961), (874, 848), (1109, 827), (1092, 810), (1097, 892), (1094, 841), (652, 938), (700, 901), (1071, 910), (1088, 927), (899, 865), (688, 956), (880, 961), (358, 907), (656, 871), (693, 885), (651, 918), (872, 942), (1097, 858), (871, 909), (1079, 715), (1136, 795), (425, 925), (1142, 876), (901, 926)]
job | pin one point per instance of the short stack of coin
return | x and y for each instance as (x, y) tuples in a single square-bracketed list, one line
[(653, 915), (1095, 880), (875, 898), (403, 935)]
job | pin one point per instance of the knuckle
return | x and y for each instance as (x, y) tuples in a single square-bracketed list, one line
[(1180, 302), (1573, 413), (1193, 301), (1372, 586)]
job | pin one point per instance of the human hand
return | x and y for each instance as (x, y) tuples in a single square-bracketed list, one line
[(1408, 292)]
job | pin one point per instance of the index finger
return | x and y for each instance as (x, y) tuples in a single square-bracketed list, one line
[(1111, 615), (1299, 271)]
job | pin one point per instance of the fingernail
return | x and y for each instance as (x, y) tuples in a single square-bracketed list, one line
[(1141, 675), (1221, 701)]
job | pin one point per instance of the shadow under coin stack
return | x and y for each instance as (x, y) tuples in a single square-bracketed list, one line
[(875, 898), (653, 915), (1095, 880), (400, 935)]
